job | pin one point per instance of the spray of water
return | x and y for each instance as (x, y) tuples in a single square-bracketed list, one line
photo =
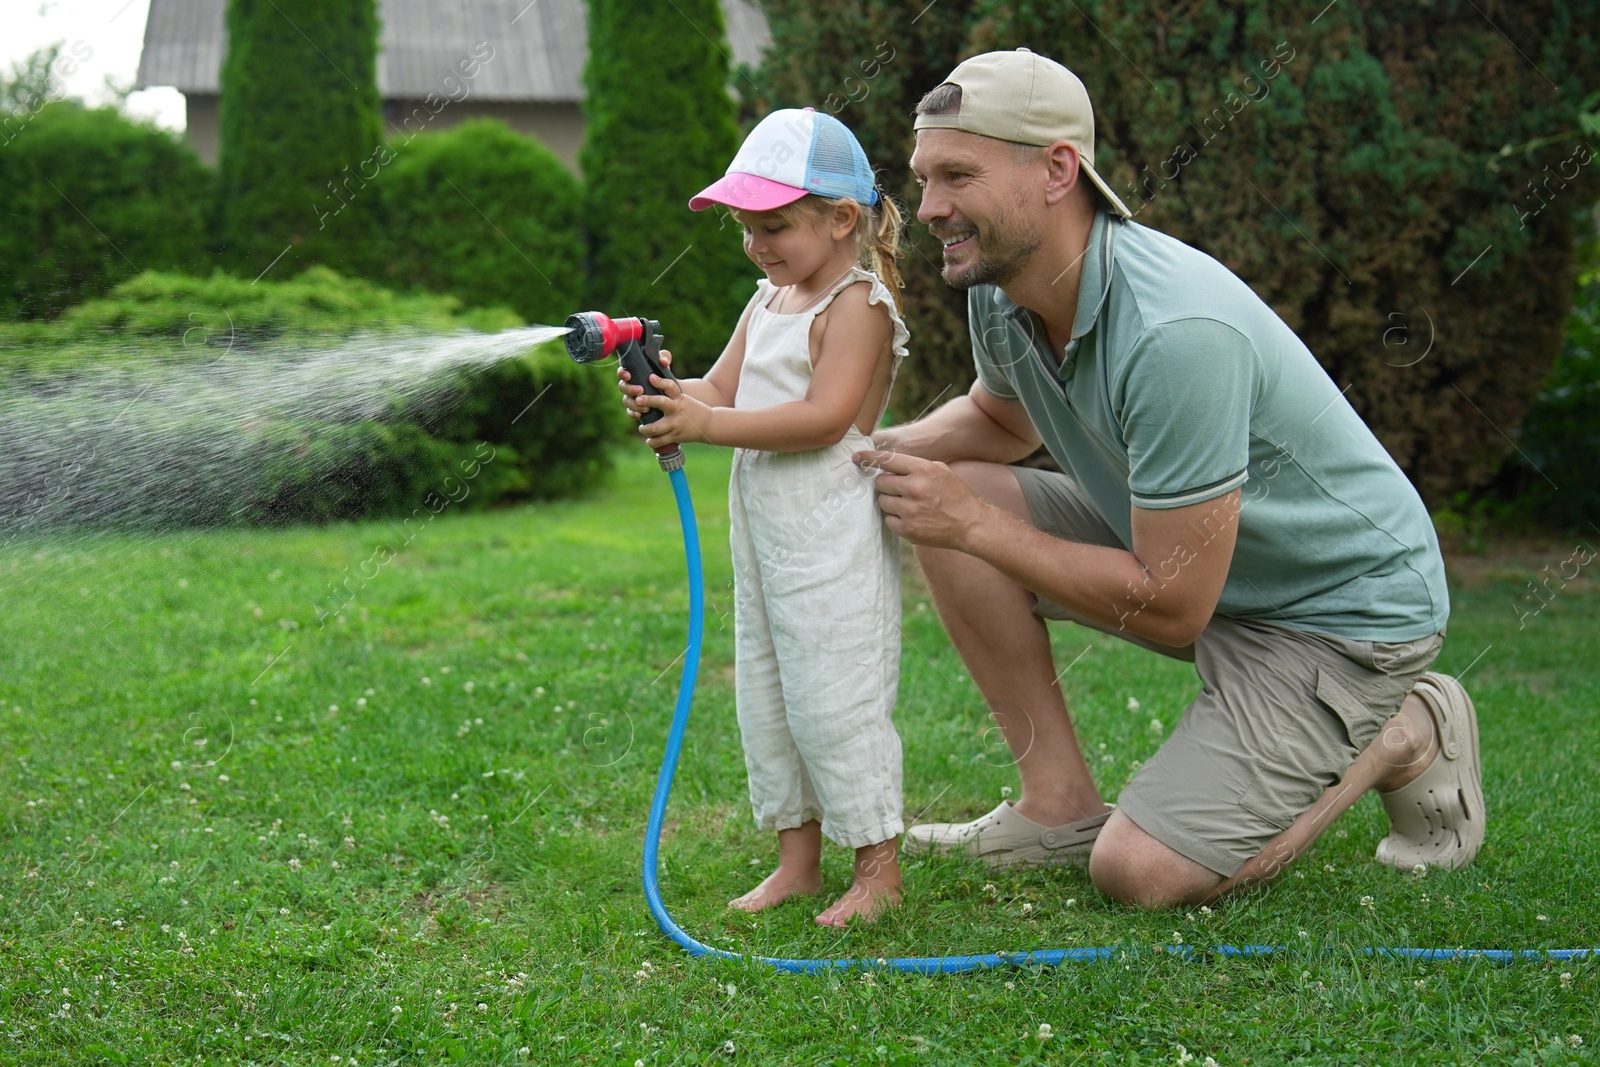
[(160, 442)]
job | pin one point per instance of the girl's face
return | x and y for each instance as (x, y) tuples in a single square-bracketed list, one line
[(789, 253)]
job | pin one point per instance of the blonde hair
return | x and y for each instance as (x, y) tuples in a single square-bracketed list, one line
[(877, 232)]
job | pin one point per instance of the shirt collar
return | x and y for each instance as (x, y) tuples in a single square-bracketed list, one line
[(1092, 287)]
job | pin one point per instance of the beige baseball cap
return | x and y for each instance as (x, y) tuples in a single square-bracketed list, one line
[(1027, 99)]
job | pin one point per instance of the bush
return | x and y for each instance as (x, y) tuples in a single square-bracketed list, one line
[(300, 137), (89, 199), (1348, 167), (315, 399), (443, 190), (660, 129)]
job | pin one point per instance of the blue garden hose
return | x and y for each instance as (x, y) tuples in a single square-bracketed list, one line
[(920, 964)]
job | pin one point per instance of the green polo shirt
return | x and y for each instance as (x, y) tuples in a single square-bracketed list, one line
[(1180, 385)]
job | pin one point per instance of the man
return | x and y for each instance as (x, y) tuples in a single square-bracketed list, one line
[(1222, 503)]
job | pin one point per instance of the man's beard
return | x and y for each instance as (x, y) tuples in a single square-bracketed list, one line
[(998, 255)]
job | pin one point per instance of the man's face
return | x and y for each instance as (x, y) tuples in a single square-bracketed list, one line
[(975, 200)]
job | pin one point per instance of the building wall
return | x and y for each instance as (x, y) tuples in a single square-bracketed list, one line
[(200, 128), (558, 126)]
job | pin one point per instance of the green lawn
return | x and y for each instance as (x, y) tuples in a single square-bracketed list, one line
[(411, 834)]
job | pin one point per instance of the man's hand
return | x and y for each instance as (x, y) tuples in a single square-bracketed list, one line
[(923, 501)]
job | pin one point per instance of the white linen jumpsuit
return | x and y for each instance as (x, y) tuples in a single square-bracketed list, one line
[(817, 604)]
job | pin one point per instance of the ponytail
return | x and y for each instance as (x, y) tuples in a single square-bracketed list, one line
[(879, 241)]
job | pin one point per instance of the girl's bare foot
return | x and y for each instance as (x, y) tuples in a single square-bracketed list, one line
[(875, 890), (867, 902), (799, 870), (779, 886)]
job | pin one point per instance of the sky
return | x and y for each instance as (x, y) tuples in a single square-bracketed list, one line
[(111, 32)]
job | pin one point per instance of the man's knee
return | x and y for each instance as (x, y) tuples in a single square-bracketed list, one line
[(994, 483), (1131, 867)]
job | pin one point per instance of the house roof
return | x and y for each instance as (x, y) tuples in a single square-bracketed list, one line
[(539, 47)]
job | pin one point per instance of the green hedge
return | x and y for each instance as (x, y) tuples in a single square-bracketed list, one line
[(89, 198), (532, 426), (489, 216)]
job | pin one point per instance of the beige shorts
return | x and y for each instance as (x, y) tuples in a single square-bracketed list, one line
[(1282, 715)]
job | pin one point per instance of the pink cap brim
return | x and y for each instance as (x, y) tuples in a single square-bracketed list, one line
[(747, 192)]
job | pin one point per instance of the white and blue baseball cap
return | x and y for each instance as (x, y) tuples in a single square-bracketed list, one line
[(790, 153)]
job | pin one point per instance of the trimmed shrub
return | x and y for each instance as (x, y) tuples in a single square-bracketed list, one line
[(488, 216), (234, 429), (223, 310), (300, 137), (660, 129), (1348, 167), (89, 199)]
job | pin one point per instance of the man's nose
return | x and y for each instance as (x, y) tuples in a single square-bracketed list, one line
[(931, 207)]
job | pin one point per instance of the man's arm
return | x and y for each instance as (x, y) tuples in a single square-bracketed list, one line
[(1165, 590), (978, 426)]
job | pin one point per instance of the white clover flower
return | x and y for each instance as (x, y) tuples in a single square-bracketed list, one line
[(1574, 1040), (395, 1010), (1155, 726), (426, 680), (1027, 909), (1133, 703), (1366, 902), (1177, 937), (1566, 976), (1072, 902), (1543, 918), (1045, 1032), (1183, 1056), (727, 1046), (1005, 790)]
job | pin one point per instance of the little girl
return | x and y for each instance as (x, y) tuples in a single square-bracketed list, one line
[(799, 387)]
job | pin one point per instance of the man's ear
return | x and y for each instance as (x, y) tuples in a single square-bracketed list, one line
[(1061, 171)]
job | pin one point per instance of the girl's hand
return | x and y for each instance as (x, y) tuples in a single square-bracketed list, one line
[(631, 392), (684, 419)]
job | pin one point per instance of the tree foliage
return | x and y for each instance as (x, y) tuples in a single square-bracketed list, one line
[(301, 139), (660, 127), (1347, 164)]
